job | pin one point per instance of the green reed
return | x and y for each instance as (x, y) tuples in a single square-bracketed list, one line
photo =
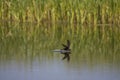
[(77, 11), (101, 38), (28, 41)]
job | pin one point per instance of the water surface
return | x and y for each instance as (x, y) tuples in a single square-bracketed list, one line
[(26, 53)]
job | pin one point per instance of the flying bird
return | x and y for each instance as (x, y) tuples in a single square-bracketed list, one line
[(66, 51)]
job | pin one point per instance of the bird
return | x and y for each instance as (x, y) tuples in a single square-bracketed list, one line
[(66, 51)]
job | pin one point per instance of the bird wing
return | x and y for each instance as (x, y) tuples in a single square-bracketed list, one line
[(66, 46), (68, 43)]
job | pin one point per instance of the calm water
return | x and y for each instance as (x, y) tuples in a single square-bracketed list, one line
[(27, 55)]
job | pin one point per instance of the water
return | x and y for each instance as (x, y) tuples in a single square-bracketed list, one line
[(27, 57), (56, 69)]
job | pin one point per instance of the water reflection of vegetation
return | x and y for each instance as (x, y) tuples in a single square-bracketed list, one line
[(21, 41)]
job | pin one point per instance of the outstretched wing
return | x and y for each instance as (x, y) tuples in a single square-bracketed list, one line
[(65, 47), (68, 43)]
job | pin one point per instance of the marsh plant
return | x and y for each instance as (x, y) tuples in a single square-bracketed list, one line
[(51, 11), (85, 38)]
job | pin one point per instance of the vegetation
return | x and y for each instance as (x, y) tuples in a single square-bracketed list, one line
[(52, 11), (67, 17), (84, 38), (26, 42)]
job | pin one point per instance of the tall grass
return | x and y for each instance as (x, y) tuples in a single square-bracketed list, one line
[(102, 39), (28, 40), (72, 11)]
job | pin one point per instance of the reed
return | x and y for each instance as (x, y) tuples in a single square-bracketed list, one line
[(93, 39), (28, 40), (77, 11)]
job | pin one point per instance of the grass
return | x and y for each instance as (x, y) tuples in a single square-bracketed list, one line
[(84, 38), (66, 18), (52, 11), (31, 41)]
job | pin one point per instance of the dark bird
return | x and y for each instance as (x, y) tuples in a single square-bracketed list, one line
[(66, 51)]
